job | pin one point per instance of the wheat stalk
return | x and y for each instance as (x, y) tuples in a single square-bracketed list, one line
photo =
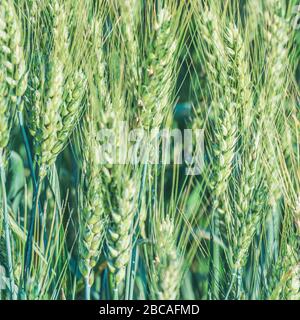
[(4, 114)]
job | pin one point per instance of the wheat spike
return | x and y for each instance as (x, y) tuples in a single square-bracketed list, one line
[(56, 96), (129, 21), (276, 37), (160, 71), (13, 76), (72, 106), (285, 276), (248, 228), (92, 213), (12, 51), (168, 266), (97, 166), (119, 232)]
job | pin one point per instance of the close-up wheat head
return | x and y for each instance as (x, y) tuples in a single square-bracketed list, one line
[(149, 150)]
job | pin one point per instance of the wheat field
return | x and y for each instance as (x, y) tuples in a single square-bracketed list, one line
[(98, 201)]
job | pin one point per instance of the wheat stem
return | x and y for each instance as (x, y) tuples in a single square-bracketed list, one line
[(7, 231), (30, 235)]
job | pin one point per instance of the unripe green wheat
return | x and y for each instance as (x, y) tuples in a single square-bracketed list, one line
[(214, 48), (285, 276), (13, 77), (247, 182), (156, 99), (240, 74), (129, 9), (97, 167), (120, 229), (92, 213), (223, 154), (12, 51), (56, 96), (167, 263), (277, 34), (247, 229), (50, 122), (71, 109)]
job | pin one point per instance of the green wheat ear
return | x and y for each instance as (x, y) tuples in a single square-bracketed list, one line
[(129, 9), (156, 99), (12, 51), (72, 106), (285, 275), (92, 219), (50, 122), (167, 264), (120, 228), (56, 95), (13, 73)]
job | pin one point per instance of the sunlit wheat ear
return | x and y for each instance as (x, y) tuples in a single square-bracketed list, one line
[(13, 78), (100, 77), (211, 32), (285, 278), (236, 50), (277, 34), (167, 264), (247, 229), (97, 169), (72, 107), (101, 99), (92, 224), (49, 117), (120, 228), (223, 154), (129, 10), (292, 288), (249, 206), (12, 51), (34, 104), (156, 100), (247, 180), (221, 52), (292, 291)]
